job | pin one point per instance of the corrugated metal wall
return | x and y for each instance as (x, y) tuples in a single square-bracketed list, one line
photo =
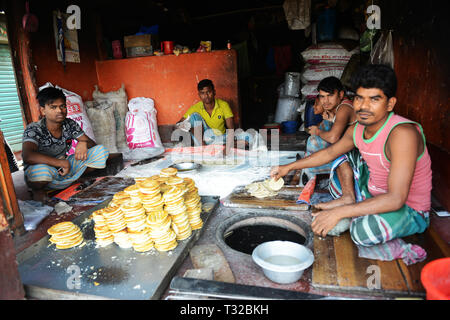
[(12, 123)]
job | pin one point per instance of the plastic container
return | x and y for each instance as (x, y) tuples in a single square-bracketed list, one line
[(289, 126), (326, 25), (287, 109), (311, 119), (435, 277), (167, 47), (292, 84), (117, 49), (283, 261)]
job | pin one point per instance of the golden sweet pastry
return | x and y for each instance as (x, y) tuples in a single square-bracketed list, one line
[(168, 172), (65, 235)]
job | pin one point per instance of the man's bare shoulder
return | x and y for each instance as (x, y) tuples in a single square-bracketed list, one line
[(405, 131), (404, 137)]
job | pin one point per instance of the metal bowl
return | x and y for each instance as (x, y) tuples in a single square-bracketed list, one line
[(186, 166), (283, 261)]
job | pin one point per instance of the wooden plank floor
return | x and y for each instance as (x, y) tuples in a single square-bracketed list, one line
[(337, 267)]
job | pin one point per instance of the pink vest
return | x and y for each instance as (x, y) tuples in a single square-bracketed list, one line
[(372, 151)]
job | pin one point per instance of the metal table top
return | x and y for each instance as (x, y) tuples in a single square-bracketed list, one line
[(92, 272)]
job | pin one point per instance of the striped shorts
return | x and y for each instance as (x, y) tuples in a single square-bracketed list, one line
[(96, 158), (379, 228), (316, 143)]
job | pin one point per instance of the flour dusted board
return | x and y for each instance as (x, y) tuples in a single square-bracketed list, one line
[(284, 200)]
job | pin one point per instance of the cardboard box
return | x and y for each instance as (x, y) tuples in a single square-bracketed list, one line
[(139, 51), (143, 40)]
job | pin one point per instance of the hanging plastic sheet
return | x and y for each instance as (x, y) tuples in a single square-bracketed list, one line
[(383, 50), (298, 13)]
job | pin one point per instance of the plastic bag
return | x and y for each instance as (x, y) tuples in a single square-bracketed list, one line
[(119, 100), (33, 213), (75, 111), (309, 90), (365, 43), (298, 13), (142, 130), (383, 50)]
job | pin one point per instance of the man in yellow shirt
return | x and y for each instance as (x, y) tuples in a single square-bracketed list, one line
[(214, 116)]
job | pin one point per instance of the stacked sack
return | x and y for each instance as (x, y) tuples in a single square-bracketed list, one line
[(323, 60), (154, 212)]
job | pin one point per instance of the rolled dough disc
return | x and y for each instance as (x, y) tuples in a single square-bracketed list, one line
[(276, 185)]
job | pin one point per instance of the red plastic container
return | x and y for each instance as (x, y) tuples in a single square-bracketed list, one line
[(167, 47), (117, 49), (435, 277)]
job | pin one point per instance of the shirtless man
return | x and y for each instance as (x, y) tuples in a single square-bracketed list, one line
[(386, 190), (337, 112)]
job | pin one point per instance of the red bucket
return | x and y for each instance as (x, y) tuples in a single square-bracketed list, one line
[(435, 277)]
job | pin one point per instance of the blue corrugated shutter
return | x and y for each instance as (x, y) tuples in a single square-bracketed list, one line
[(12, 123)]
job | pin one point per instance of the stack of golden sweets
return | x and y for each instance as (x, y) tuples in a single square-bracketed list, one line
[(160, 225), (193, 203), (168, 172), (65, 235), (164, 176), (115, 220), (138, 231), (175, 207), (119, 198), (133, 192), (103, 236), (151, 195)]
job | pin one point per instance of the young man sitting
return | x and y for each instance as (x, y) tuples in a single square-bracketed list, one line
[(46, 143), (386, 190), (210, 118), (337, 112)]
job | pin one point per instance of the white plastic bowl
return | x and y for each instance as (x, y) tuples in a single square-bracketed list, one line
[(271, 257)]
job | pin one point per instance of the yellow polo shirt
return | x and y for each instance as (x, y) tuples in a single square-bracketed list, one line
[(216, 121)]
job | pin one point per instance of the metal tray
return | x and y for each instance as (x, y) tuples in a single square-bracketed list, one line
[(186, 166)]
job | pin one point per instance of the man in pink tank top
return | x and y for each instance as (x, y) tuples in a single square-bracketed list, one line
[(383, 186)]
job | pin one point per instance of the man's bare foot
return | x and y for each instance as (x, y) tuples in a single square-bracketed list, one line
[(342, 201)]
